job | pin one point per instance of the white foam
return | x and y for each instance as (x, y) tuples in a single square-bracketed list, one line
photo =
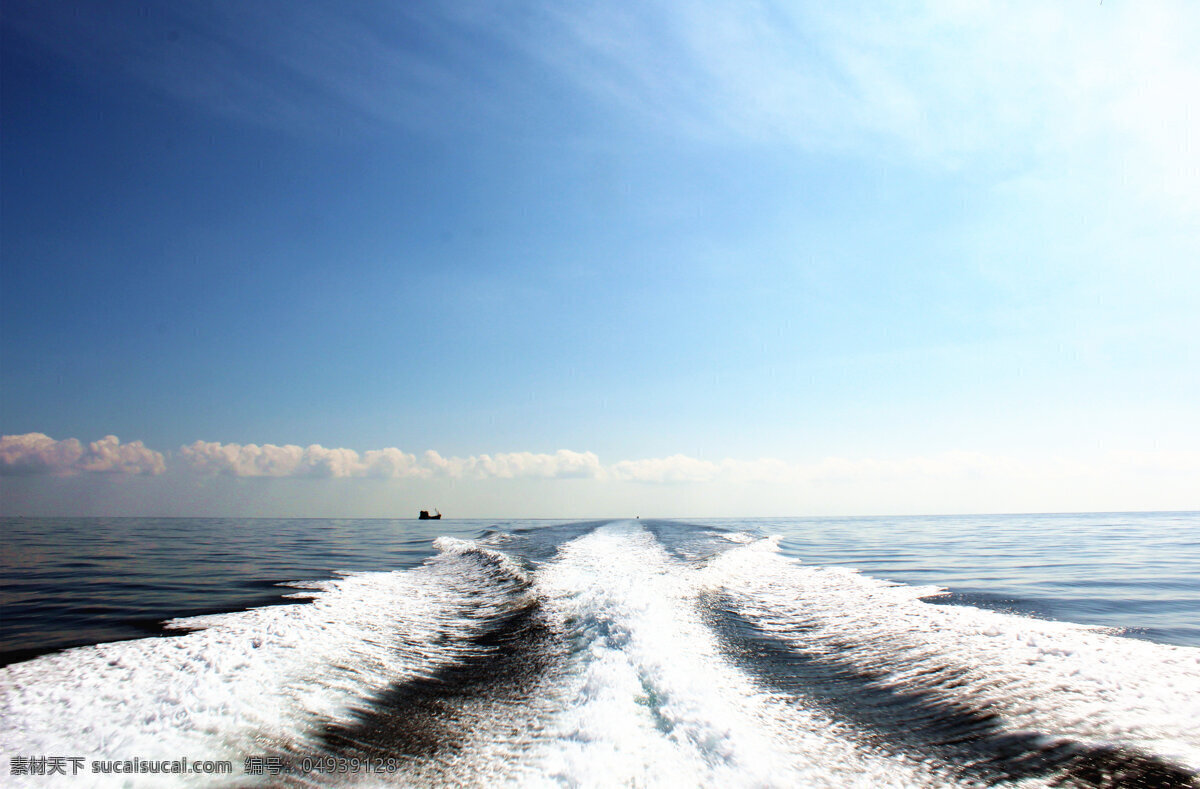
[(654, 702), (497, 561), (250, 681), (1057, 678), (645, 696)]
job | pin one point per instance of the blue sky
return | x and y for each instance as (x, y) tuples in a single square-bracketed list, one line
[(740, 258)]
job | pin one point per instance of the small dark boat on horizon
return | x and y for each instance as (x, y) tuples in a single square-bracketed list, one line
[(425, 516)]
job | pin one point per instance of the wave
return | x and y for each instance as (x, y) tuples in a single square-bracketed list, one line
[(993, 696), (626, 654), (252, 682)]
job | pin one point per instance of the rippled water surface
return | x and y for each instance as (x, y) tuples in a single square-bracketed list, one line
[(71, 581), (1038, 650)]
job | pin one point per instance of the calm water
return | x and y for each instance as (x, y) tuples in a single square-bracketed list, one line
[(1038, 650), (72, 581)]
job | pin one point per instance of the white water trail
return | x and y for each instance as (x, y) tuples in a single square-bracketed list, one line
[(1061, 679), (655, 703), (250, 682), (642, 691)]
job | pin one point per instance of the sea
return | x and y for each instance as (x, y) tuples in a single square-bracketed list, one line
[(994, 650)]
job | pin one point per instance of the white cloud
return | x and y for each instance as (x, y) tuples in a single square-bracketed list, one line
[(946, 467), (110, 455), (513, 465), (38, 453), (251, 460), (673, 469), (269, 460), (678, 485), (391, 462)]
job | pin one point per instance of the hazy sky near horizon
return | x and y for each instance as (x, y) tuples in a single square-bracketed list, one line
[(532, 258)]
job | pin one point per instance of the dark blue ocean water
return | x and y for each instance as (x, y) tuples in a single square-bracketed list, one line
[(73, 581)]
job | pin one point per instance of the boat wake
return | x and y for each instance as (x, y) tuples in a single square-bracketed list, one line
[(622, 654)]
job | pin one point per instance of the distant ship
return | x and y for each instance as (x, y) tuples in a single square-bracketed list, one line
[(425, 516)]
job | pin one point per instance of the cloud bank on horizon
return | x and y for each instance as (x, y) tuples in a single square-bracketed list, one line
[(38, 454), (269, 460)]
